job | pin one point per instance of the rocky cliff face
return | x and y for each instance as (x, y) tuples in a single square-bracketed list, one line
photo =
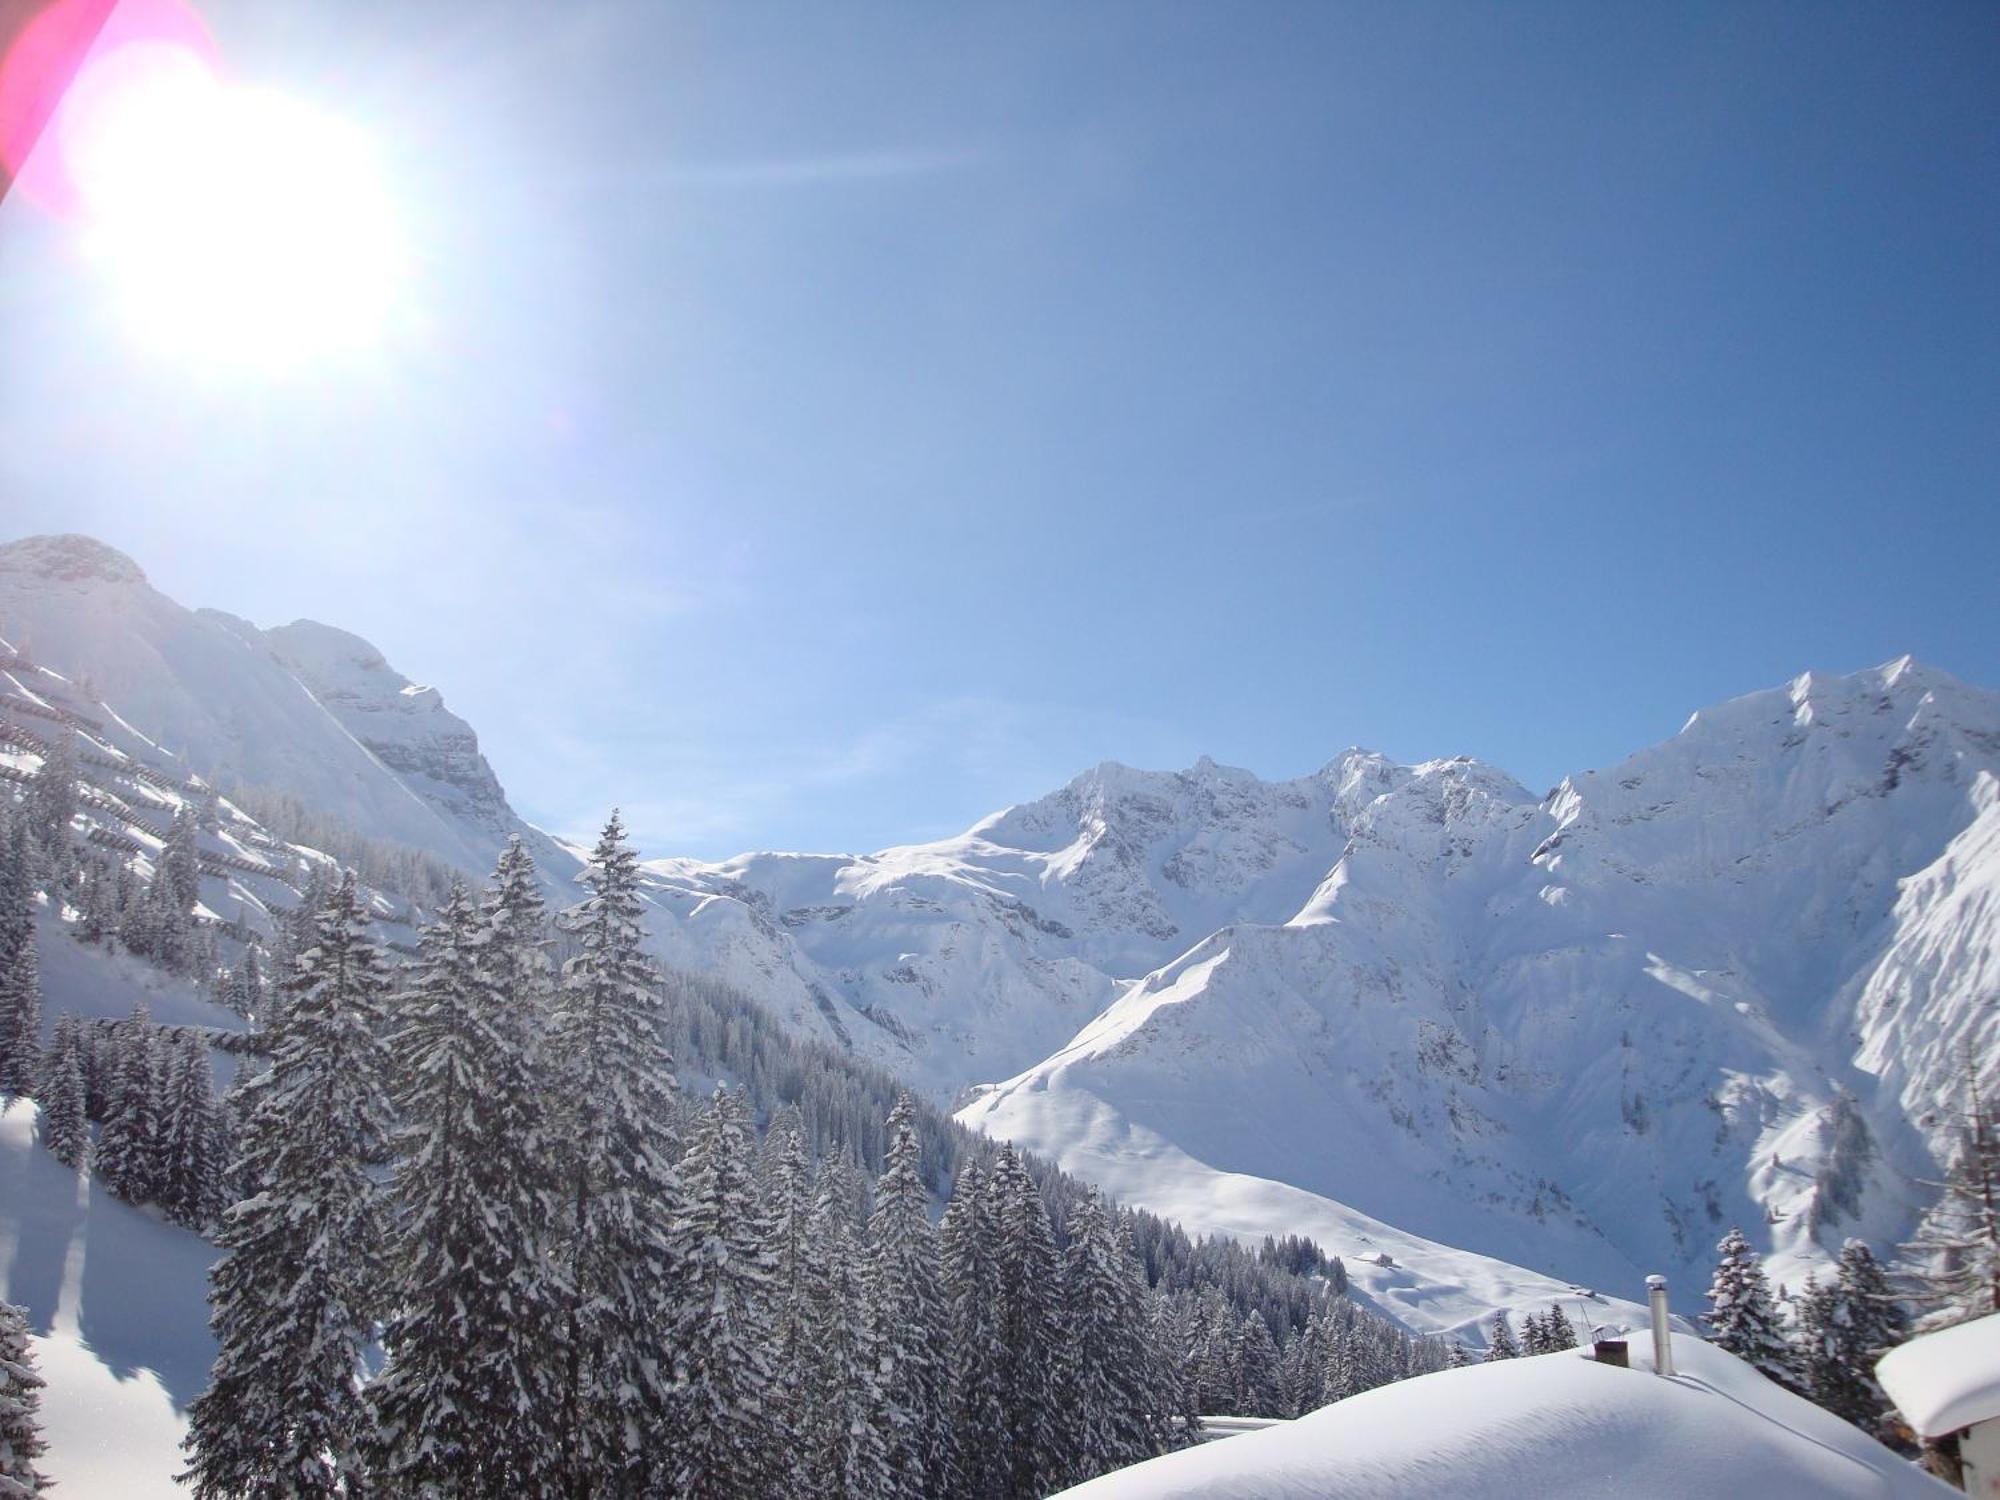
[(306, 710), (405, 726)]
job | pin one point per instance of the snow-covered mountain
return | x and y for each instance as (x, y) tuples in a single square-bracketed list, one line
[(304, 710), (1415, 1011), (1730, 979)]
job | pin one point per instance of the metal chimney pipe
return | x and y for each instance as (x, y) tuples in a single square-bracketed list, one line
[(1663, 1349)]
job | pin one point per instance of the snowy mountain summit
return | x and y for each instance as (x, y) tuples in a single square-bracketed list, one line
[(1414, 1011), (1727, 980), (303, 710)]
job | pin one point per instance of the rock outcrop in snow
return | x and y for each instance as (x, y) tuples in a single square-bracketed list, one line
[(304, 710)]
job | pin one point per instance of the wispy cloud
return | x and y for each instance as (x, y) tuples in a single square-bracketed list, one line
[(806, 171)]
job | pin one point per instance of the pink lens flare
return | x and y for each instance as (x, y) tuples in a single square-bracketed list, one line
[(73, 60)]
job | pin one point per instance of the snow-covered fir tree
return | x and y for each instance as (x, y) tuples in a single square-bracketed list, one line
[(968, 1237), (21, 1440), (1030, 1325), (51, 805), (1256, 1361), (1111, 1394), (1500, 1343), (467, 1401), (1953, 1264), (842, 1428), (728, 1434), (295, 1291), (787, 1188), (1743, 1316), (20, 1014), (908, 1307), (97, 920), (192, 1187), (131, 1147), (612, 1074), (180, 862), (61, 1094), (244, 993), (1844, 1326)]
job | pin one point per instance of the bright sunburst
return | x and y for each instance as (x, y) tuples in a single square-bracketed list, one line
[(237, 226)]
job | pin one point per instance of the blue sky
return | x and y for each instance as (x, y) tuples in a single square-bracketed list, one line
[(820, 425)]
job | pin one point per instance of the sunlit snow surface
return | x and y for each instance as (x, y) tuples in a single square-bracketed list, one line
[(1554, 1425)]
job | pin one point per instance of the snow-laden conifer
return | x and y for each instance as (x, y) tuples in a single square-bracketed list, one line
[(20, 1015), (193, 1178), (21, 1441), (467, 1401), (612, 1074), (295, 1291), (1031, 1334), (51, 805), (1953, 1264), (180, 862), (843, 1426), (1844, 1326), (130, 1149), (1112, 1386), (60, 1093), (980, 1418), (1743, 1317), (910, 1313), (1500, 1342), (727, 1435)]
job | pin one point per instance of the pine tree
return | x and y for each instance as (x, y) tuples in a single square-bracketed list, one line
[(192, 1183), (51, 804), (1742, 1316), (294, 1294), (1557, 1332), (61, 1095), (1030, 1329), (1844, 1326), (98, 921), (1457, 1357), (1111, 1383), (465, 1403), (20, 1017), (1953, 1264), (17, 890), (968, 1238), (842, 1433), (614, 1073), (788, 1206), (21, 1441), (909, 1310), (727, 1431), (1500, 1342), (1257, 1362), (180, 863), (130, 1149)]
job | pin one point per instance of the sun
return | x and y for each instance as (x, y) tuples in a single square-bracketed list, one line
[(235, 226)]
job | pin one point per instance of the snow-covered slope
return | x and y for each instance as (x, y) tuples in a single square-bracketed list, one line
[(1556, 1424), (304, 710), (1726, 981)]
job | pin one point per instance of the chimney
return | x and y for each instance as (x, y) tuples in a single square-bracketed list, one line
[(1663, 1349)]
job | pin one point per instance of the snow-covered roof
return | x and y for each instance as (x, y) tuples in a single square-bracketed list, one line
[(1553, 1424), (1946, 1380)]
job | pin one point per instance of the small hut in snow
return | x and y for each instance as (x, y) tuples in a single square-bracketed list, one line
[(1947, 1386)]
